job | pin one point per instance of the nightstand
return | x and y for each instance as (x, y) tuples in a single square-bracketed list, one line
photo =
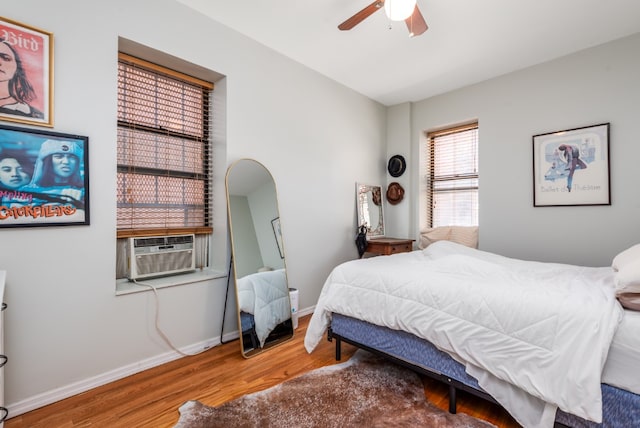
[(388, 246)]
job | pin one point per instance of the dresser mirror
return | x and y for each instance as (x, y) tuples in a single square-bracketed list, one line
[(370, 203), (262, 291)]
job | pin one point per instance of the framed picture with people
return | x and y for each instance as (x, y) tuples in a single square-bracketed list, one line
[(26, 74), (44, 178), (571, 167)]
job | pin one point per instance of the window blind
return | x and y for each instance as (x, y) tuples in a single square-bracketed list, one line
[(164, 156), (452, 156)]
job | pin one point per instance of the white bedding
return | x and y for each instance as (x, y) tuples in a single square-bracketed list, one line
[(621, 368), (535, 335), (266, 296)]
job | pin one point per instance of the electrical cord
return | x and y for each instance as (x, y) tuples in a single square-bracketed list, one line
[(157, 322)]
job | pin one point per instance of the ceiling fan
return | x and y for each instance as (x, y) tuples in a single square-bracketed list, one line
[(396, 10)]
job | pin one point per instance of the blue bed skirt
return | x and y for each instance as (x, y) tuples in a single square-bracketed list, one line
[(621, 409)]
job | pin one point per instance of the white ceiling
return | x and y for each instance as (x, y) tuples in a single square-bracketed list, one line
[(468, 41)]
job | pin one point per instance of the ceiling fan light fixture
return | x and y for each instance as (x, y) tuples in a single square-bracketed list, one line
[(399, 10)]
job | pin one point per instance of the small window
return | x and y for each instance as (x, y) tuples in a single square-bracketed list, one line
[(164, 157), (452, 176)]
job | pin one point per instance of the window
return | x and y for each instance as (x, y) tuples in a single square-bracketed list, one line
[(452, 176), (163, 151), (164, 175)]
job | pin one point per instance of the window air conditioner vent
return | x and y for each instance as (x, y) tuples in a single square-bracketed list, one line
[(160, 256)]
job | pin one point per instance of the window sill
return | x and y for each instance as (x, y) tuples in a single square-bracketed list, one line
[(124, 286)]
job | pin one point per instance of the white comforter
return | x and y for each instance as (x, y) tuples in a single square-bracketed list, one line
[(535, 335), (266, 296)]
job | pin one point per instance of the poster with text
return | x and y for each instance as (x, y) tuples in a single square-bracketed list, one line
[(571, 167), (44, 178), (26, 74)]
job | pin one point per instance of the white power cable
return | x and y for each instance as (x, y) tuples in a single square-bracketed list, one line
[(157, 322)]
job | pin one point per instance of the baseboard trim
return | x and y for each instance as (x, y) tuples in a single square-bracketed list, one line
[(306, 311), (49, 397)]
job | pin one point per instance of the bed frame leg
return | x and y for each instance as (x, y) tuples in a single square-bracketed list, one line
[(452, 399), (338, 348)]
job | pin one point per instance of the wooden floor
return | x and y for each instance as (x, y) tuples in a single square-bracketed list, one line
[(151, 398)]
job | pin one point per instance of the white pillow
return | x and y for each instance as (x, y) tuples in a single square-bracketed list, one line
[(626, 266), (465, 235), (429, 236)]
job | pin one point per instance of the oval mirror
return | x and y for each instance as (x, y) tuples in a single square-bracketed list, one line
[(262, 292)]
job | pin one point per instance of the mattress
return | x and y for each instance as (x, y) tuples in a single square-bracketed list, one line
[(621, 367)]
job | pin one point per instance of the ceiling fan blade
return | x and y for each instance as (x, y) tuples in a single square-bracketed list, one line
[(416, 23), (361, 16)]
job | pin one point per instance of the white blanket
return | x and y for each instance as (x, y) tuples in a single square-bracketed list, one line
[(266, 296), (535, 335)]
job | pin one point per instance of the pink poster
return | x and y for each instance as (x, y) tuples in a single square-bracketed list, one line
[(26, 74)]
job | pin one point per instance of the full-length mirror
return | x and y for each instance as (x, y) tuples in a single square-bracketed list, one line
[(264, 307), (370, 212)]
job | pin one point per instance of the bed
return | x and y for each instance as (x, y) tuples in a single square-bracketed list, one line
[(263, 301), (548, 342)]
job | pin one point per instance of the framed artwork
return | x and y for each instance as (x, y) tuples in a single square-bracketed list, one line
[(26, 90), (275, 223), (571, 167), (44, 178)]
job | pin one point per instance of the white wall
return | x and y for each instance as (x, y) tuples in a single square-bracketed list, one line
[(590, 87), (243, 234), (263, 203), (65, 328), (399, 143)]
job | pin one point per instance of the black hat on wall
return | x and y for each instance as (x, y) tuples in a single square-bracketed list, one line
[(397, 165)]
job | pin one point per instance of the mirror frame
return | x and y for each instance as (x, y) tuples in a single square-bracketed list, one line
[(363, 209), (246, 351)]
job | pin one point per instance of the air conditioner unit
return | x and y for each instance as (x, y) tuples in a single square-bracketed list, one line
[(160, 256)]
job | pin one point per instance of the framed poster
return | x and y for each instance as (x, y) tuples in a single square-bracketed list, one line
[(44, 178), (26, 86), (571, 167), (275, 224)]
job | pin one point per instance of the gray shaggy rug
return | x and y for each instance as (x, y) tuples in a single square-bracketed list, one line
[(365, 391)]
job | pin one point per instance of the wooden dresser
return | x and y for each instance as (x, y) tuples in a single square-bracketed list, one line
[(388, 246)]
